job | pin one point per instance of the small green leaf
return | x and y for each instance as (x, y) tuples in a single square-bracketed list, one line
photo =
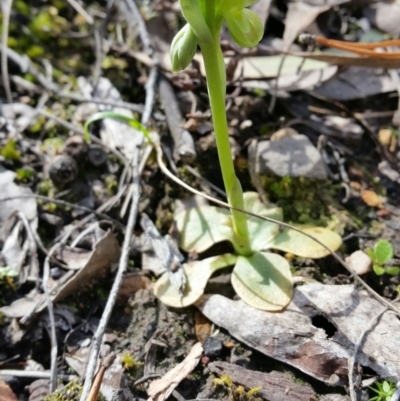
[(371, 254), (392, 270), (297, 243), (383, 251), (263, 281), (183, 48), (197, 274), (8, 272), (385, 386), (379, 270)]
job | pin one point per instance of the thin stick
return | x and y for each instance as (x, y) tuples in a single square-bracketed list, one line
[(7, 4), (34, 270), (144, 36), (53, 336), (146, 378), (105, 364), (29, 86), (123, 263), (65, 203), (80, 10), (34, 374), (353, 47)]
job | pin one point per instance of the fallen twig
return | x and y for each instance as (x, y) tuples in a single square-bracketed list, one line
[(53, 336), (68, 204), (35, 374), (80, 10), (105, 364), (123, 263)]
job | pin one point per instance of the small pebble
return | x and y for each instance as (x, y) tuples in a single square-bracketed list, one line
[(359, 262), (63, 169), (212, 346)]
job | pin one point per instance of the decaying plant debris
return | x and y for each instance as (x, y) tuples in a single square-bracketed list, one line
[(95, 255)]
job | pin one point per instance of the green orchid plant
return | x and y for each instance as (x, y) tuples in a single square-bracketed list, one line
[(261, 278)]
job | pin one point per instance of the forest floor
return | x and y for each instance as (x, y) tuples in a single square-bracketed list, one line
[(67, 206)]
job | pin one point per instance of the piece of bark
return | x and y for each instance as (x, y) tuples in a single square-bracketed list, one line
[(294, 337), (182, 140), (275, 386), (161, 389), (6, 394)]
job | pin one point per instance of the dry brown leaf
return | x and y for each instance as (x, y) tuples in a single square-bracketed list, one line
[(298, 339), (274, 386), (371, 198), (130, 284), (105, 253), (6, 394), (202, 327), (161, 389)]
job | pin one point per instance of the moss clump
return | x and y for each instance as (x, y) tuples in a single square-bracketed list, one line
[(129, 362), (303, 200), (70, 392), (237, 393), (10, 152)]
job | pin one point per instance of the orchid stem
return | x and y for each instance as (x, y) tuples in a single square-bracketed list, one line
[(216, 83)]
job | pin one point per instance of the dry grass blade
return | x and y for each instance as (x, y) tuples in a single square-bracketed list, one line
[(365, 54), (106, 363), (363, 50)]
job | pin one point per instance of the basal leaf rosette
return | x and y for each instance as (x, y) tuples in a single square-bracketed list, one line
[(263, 279)]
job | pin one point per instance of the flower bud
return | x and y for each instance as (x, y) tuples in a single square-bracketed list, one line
[(183, 48), (245, 27)]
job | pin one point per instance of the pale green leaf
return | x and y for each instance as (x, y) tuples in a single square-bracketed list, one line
[(392, 270), (371, 254), (200, 228), (261, 231), (263, 281), (383, 251), (378, 270), (386, 387), (197, 274), (294, 242)]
